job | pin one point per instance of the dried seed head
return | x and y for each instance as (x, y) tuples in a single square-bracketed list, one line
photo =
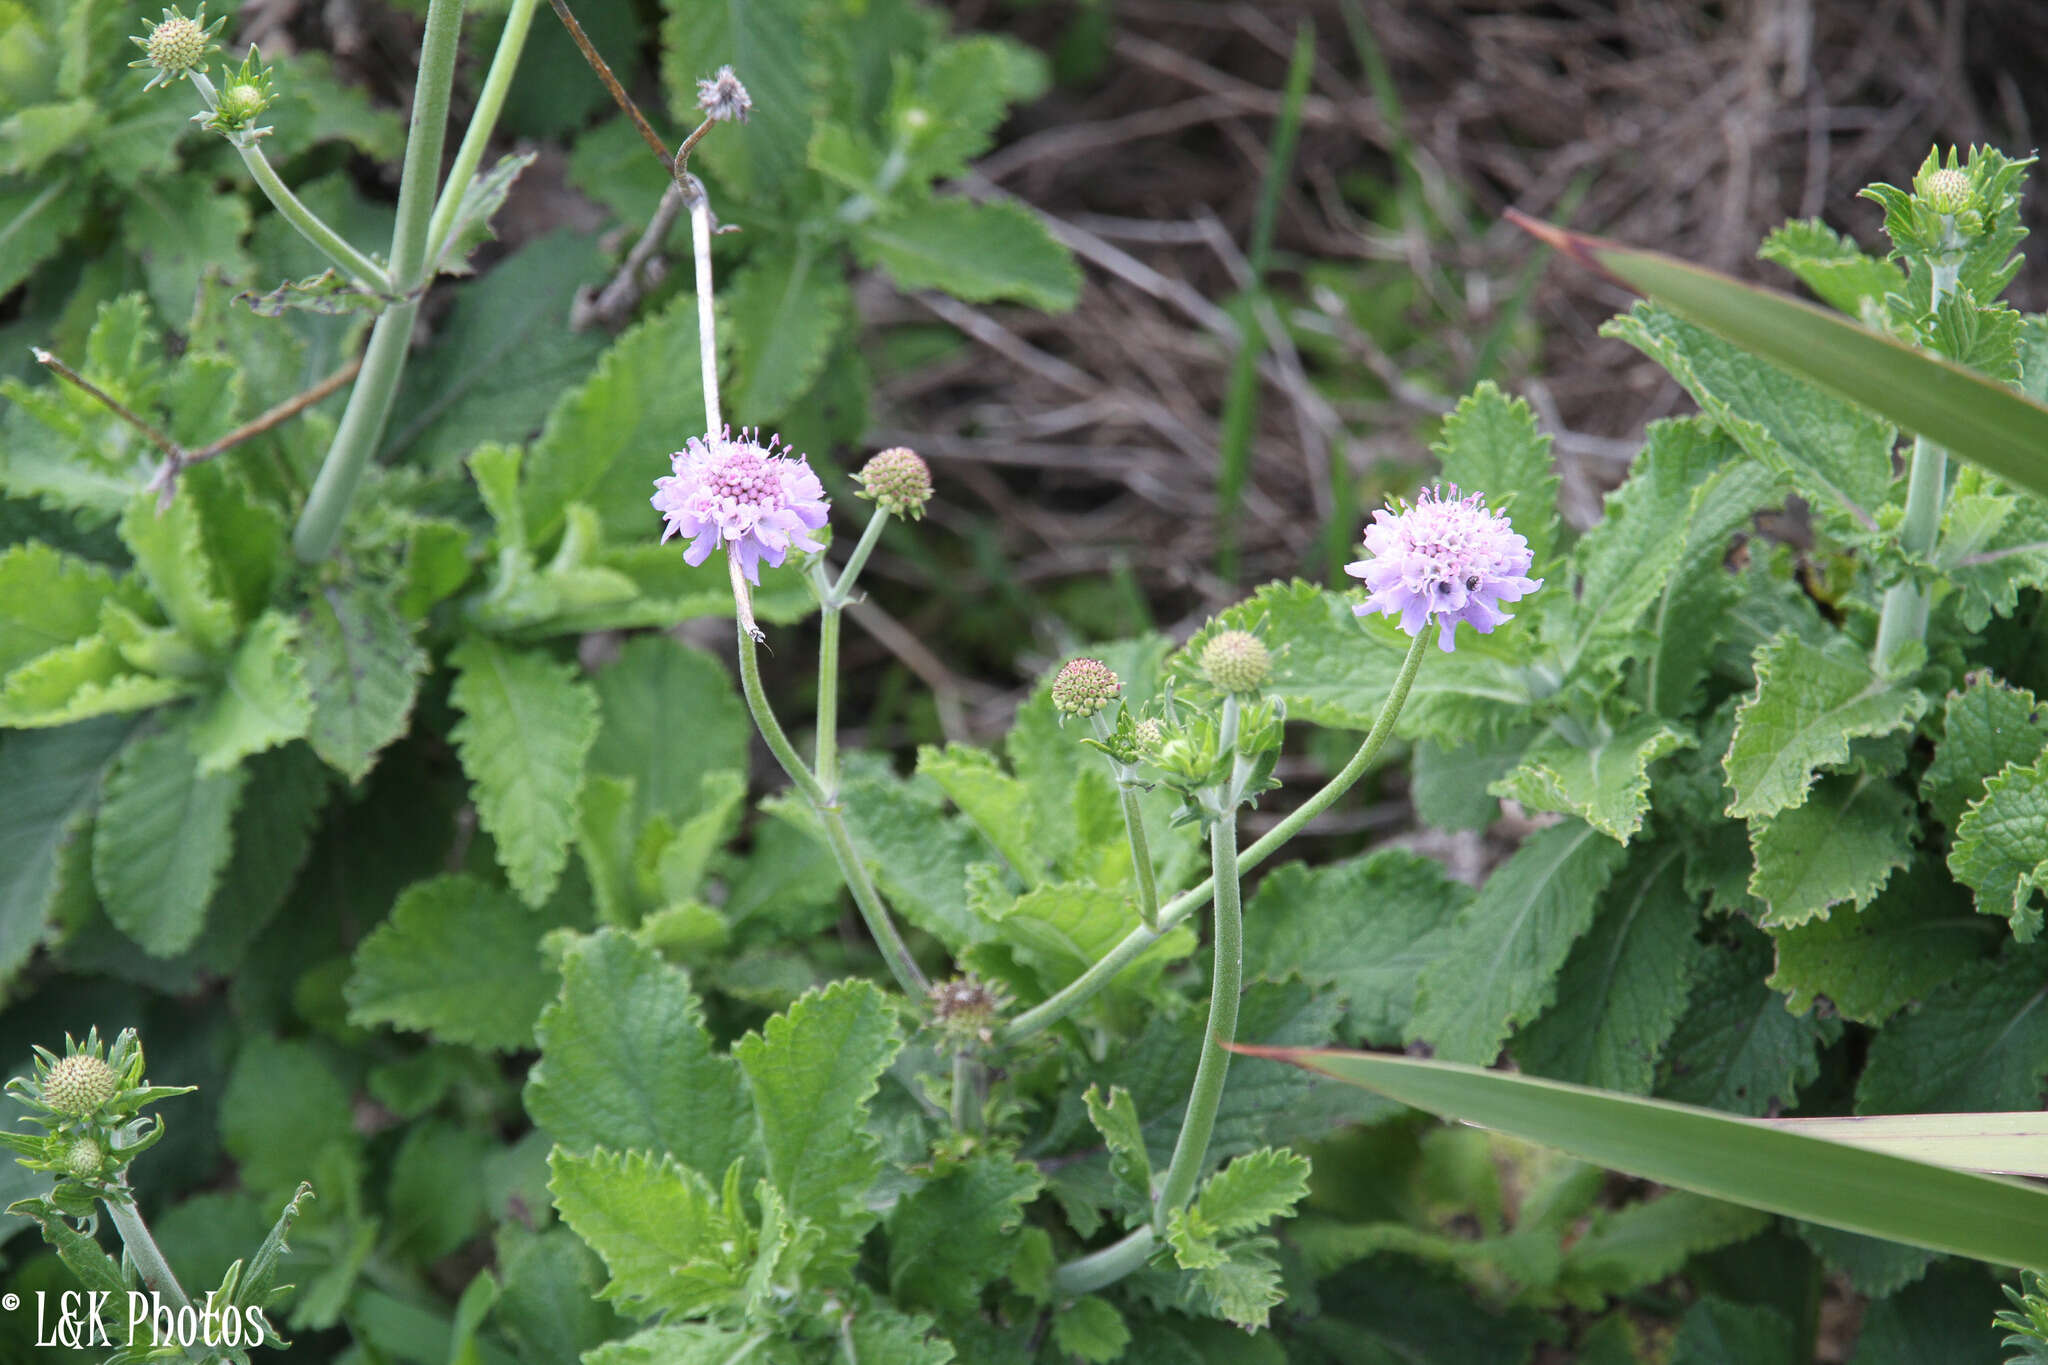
[(1237, 661), (899, 481), (723, 99), (965, 1011), (1084, 687), (80, 1085), (1948, 191)]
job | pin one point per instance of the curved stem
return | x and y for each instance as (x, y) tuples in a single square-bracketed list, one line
[(311, 226), (771, 728), (1226, 984), (143, 1250), (1084, 987), (482, 123), (842, 591), (1100, 1269), (369, 402)]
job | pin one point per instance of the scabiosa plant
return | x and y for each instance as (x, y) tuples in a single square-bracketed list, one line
[(1237, 661), (176, 46), (1084, 687), (899, 481), (723, 99), (754, 500), (1446, 558)]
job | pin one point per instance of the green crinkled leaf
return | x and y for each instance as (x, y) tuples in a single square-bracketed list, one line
[(1448, 785), (961, 96), (1699, 588), (1129, 1166), (164, 834), (36, 215), (769, 43), (80, 681), (1624, 987), (957, 1232), (1249, 1193), (503, 356), (481, 199), (1986, 725), (283, 1104), (675, 1343), (813, 1071), (1918, 934), (1491, 444), (976, 252), (657, 1225), (998, 804), (918, 854), (47, 599), (1875, 1267), (1832, 266), (1369, 926), (1332, 668), (181, 229), (1632, 1248), (1498, 968), (528, 722), (1976, 1045), (169, 547), (1064, 928), (1837, 454), (604, 442), (263, 700), (1091, 1329), (879, 1332), (1994, 546), (1942, 1315), (363, 669), (785, 310), (669, 714), (1808, 704), (245, 538), (456, 960), (549, 1309), (1625, 561), (1719, 1332), (625, 1061), (1738, 1048), (1854, 831), (53, 779), (1603, 780), (1244, 1288), (2001, 847)]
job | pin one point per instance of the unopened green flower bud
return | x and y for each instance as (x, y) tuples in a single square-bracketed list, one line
[(240, 103), (84, 1158), (1948, 191), (1084, 687), (80, 1085), (899, 481), (1149, 733), (1237, 661)]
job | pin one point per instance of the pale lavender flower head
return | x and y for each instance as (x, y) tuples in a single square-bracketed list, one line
[(746, 496), (1446, 557), (723, 99)]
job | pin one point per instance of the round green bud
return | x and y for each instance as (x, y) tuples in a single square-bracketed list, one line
[(80, 1086), (1149, 733), (1237, 661), (175, 45), (899, 481), (241, 104), (1948, 191), (84, 1158), (1084, 687)]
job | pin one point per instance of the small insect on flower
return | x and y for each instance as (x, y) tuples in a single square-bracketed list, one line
[(1445, 558), (756, 501)]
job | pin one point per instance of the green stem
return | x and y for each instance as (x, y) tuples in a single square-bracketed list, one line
[(293, 210), (1141, 859), (829, 617), (1903, 621), (966, 1093), (1100, 1269), (895, 951), (369, 402), (483, 121), (1225, 985), (842, 591), (143, 1250), (1084, 987)]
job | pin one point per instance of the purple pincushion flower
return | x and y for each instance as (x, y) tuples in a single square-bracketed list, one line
[(1446, 557), (746, 496)]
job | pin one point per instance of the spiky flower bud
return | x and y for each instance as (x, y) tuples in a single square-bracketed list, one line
[(965, 1011), (899, 481), (1237, 661), (1084, 687), (176, 46), (723, 99), (1948, 191), (80, 1085), (84, 1158), (240, 103)]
